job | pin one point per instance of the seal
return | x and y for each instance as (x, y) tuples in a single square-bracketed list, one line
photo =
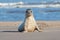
[(29, 24)]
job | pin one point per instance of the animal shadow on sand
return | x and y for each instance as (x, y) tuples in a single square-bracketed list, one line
[(8, 31)]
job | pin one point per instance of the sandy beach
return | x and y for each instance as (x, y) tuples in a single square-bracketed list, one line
[(16, 23), (40, 24), (8, 31), (6, 25)]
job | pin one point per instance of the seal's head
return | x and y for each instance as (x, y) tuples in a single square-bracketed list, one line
[(28, 12)]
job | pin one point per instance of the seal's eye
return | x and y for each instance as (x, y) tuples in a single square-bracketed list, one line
[(31, 11), (26, 11)]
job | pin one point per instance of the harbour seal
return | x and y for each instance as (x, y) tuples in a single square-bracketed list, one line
[(29, 24)]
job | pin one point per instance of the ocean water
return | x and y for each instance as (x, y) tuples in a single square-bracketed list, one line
[(17, 14), (28, 1)]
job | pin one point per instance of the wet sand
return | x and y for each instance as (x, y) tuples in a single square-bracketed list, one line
[(8, 31), (47, 34)]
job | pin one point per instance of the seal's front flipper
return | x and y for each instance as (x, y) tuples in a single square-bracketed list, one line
[(37, 28), (21, 28)]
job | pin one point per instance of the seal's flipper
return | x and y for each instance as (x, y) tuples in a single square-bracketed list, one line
[(21, 27), (20, 30), (37, 28)]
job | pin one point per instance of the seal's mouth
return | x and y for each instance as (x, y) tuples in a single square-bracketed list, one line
[(28, 15)]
